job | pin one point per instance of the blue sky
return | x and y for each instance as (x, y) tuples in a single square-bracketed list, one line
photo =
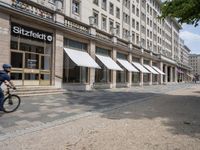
[(191, 37)]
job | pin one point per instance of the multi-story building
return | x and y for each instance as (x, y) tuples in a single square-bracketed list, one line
[(194, 60), (83, 44)]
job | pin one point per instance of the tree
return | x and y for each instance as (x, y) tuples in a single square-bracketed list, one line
[(185, 11)]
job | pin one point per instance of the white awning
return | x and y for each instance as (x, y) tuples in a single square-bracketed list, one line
[(158, 70), (150, 69), (140, 67), (109, 63), (81, 58), (127, 65)]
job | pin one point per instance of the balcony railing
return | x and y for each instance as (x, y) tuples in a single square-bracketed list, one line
[(103, 36), (28, 8)]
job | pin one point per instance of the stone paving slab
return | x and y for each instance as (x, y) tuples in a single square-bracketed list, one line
[(43, 111)]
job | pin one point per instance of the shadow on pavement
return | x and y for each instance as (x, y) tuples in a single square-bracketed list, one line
[(181, 112)]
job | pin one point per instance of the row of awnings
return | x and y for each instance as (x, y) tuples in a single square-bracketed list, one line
[(81, 58)]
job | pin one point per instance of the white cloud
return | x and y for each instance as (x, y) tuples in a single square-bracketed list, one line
[(192, 40), (189, 36)]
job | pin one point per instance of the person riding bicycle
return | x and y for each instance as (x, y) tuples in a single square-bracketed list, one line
[(5, 78)]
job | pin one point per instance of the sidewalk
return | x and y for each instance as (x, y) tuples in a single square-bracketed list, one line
[(61, 121)]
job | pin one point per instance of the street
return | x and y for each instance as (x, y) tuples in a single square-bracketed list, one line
[(139, 118)]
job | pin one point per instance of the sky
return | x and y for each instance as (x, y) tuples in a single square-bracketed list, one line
[(191, 37)]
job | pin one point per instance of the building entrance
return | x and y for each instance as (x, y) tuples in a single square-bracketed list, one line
[(30, 59)]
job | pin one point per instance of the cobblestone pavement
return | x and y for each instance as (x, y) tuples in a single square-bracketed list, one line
[(40, 112)]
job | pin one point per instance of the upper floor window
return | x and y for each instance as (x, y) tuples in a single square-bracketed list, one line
[(137, 12), (118, 13), (118, 29), (111, 10), (111, 25), (96, 2), (75, 7), (104, 22), (127, 3), (96, 17), (133, 9), (104, 4)]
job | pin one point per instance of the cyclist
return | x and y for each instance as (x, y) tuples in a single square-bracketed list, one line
[(5, 78)]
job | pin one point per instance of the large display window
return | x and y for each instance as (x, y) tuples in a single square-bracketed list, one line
[(102, 75), (71, 72), (31, 53)]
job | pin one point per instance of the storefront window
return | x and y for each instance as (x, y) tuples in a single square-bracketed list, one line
[(135, 77), (154, 77), (121, 75), (17, 60), (71, 72), (146, 77), (102, 75), (31, 61)]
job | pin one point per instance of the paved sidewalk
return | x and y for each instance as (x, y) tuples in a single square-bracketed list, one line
[(142, 118), (40, 112)]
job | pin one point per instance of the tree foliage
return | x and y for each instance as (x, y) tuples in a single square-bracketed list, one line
[(185, 11)]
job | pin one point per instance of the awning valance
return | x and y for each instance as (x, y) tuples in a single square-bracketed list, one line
[(150, 69), (81, 58), (140, 67), (158, 70), (127, 65), (109, 62)]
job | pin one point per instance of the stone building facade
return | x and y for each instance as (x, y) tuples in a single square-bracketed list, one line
[(78, 44)]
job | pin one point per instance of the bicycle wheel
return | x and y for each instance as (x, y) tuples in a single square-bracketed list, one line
[(11, 103)]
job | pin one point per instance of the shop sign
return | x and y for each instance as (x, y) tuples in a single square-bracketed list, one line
[(31, 33)]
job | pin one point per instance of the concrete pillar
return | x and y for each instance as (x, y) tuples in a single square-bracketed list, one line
[(161, 76), (4, 38), (151, 75), (130, 73), (171, 74), (141, 74), (176, 74), (113, 72), (59, 58), (92, 70), (166, 74)]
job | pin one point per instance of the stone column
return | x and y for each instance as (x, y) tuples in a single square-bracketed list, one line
[(166, 74), (92, 70), (5, 36), (161, 76), (58, 58), (151, 75), (171, 74), (141, 74), (130, 73), (113, 72), (176, 74)]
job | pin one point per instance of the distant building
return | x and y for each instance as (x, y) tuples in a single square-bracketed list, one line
[(194, 60)]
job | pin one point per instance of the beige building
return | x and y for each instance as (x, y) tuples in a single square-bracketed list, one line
[(79, 44), (194, 60)]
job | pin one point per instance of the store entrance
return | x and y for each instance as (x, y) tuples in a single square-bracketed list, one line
[(31, 62), (34, 68)]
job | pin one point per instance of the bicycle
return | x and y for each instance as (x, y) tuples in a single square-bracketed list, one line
[(11, 102)]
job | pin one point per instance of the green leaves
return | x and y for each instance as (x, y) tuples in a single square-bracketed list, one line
[(185, 11)]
